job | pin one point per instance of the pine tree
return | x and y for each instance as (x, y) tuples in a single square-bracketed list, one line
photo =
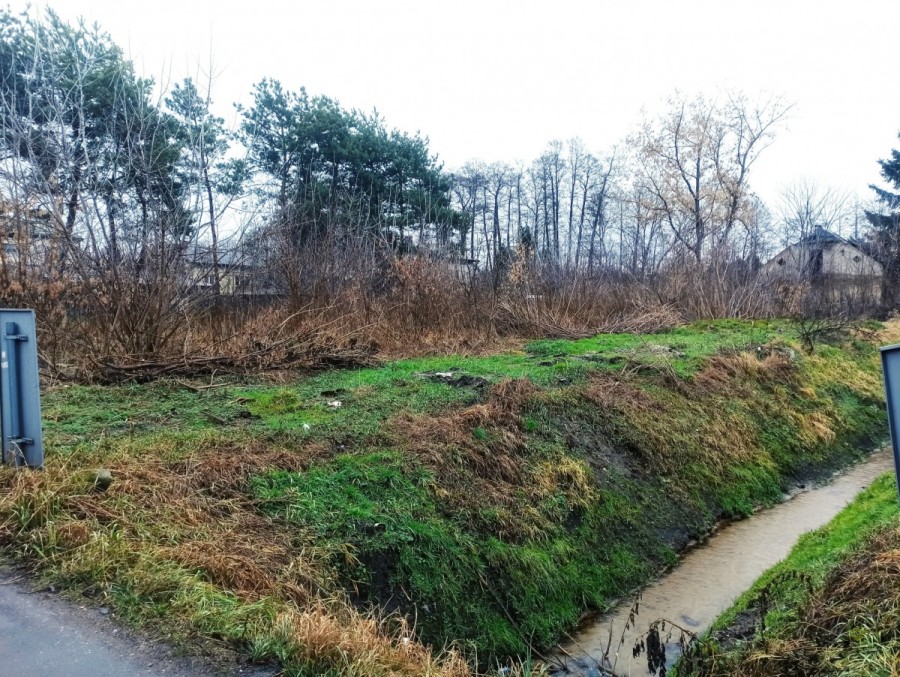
[(886, 221)]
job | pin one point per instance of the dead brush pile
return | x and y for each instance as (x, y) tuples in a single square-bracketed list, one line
[(849, 626), (184, 532), (412, 305), (265, 342)]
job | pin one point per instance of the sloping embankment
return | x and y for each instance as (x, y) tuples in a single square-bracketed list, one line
[(487, 501)]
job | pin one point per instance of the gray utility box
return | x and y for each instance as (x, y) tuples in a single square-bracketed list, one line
[(20, 390)]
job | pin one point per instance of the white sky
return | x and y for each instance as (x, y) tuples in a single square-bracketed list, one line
[(498, 80)]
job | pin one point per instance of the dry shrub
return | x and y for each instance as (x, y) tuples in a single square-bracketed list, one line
[(52, 302), (338, 308), (426, 296), (407, 304), (716, 289), (341, 303), (269, 342), (724, 372), (546, 301), (423, 305)]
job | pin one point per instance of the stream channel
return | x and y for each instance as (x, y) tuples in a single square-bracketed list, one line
[(711, 576)]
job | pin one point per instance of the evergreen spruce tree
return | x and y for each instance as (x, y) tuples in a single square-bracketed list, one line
[(886, 220)]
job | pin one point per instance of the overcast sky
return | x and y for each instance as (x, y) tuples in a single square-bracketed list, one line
[(498, 80)]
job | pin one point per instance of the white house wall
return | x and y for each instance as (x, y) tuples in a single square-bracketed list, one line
[(837, 259), (786, 264), (845, 259)]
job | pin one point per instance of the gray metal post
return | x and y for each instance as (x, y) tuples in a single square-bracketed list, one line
[(890, 366), (20, 400)]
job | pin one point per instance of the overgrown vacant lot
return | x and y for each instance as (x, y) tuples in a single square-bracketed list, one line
[(449, 511)]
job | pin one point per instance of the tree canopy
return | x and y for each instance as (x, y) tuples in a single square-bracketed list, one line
[(330, 168), (95, 151)]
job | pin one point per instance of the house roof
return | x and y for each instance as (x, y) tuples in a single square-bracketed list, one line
[(227, 258), (822, 236)]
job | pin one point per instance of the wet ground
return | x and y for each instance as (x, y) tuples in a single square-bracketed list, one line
[(710, 577)]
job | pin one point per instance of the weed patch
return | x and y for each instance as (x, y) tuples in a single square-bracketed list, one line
[(434, 515)]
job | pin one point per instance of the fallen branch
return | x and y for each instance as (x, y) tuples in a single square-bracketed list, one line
[(307, 352)]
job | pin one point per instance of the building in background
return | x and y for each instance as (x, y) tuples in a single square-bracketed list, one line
[(839, 267)]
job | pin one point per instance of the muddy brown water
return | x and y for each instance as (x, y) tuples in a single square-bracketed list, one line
[(710, 577)]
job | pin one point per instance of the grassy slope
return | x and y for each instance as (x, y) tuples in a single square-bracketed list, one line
[(832, 606), (491, 508)]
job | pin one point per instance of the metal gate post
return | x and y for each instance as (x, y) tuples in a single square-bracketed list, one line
[(14, 437)]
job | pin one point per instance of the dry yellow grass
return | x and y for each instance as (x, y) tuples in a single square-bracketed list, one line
[(195, 513), (851, 626)]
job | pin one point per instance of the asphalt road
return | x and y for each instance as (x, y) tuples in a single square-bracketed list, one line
[(42, 635)]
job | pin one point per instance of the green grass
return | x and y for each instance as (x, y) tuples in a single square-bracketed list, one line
[(371, 395), (466, 582), (683, 349), (494, 523), (75, 413)]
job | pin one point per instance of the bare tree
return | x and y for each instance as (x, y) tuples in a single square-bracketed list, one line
[(551, 166), (468, 183), (695, 162), (497, 181), (578, 163), (806, 204), (596, 194)]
